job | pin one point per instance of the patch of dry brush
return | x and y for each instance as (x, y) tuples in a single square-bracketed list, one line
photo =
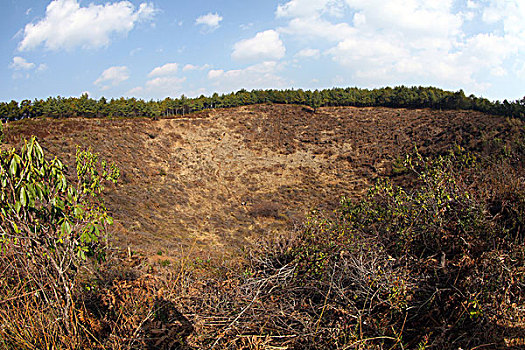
[(431, 258)]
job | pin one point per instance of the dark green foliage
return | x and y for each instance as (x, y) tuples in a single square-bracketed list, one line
[(398, 97)]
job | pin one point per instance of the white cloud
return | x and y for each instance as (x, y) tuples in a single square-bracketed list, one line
[(308, 29), (210, 20), (191, 67), (136, 91), (521, 70), (165, 82), (308, 53), (67, 25), (135, 51), (498, 72), (259, 76), (20, 63), (215, 73), (167, 69), (380, 52), (309, 8), (392, 42), (112, 76), (264, 46), (510, 13), (472, 4), (359, 19), (159, 87)]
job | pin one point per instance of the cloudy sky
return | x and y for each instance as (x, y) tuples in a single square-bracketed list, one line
[(159, 48)]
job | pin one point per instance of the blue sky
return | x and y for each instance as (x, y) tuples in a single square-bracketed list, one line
[(159, 48)]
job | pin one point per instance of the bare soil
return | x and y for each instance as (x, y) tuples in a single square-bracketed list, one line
[(217, 181)]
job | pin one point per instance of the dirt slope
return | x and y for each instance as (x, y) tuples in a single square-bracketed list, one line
[(218, 180)]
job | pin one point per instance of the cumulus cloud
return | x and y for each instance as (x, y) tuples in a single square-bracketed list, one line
[(265, 46), (521, 70), (509, 14), (167, 69), (381, 42), (112, 76), (210, 20), (20, 63), (308, 53), (23, 69), (67, 25), (159, 87), (42, 67), (191, 67), (263, 75), (309, 8), (163, 82), (307, 29)]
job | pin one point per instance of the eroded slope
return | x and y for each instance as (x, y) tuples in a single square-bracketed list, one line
[(218, 180)]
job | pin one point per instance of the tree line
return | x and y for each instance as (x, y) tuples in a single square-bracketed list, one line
[(397, 97)]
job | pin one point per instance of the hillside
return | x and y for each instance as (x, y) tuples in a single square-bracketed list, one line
[(219, 180), (231, 231)]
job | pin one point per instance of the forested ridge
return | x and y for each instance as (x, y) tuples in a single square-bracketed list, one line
[(397, 97)]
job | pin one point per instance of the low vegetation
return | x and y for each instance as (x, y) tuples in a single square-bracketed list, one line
[(432, 257)]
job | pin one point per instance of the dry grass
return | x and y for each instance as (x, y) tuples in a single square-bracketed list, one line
[(202, 179), (194, 193)]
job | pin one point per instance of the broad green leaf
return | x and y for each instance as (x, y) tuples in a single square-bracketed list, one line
[(30, 148), (23, 196), (78, 211), (38, 152), (13, 167), (65, 228)]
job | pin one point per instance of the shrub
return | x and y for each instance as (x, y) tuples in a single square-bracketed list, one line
[(403, 267), (51, 228)]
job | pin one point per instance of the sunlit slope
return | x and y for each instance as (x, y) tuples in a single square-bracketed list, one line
[(218, 180)]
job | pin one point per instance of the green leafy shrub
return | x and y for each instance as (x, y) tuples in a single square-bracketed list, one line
[(436, 217), (51, 228)]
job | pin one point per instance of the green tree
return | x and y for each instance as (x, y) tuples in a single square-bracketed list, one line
[(315, 100)]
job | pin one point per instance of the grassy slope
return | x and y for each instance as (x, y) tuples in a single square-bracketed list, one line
[(218, 180), (223, 179)]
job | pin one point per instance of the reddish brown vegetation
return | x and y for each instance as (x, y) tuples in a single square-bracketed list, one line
[(195, 191), (200, 179)]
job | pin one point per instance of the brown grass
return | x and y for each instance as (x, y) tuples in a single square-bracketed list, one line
[(196, 191), (202, 179)]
